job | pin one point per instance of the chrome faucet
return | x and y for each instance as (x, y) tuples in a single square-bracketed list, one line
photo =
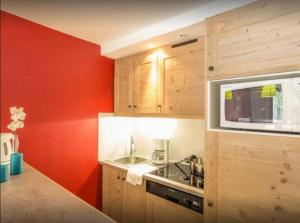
[(132, 149)]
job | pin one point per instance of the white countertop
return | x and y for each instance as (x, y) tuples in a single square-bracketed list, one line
[(170, 183)]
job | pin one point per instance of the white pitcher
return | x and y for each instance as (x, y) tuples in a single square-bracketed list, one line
[(9, 144)]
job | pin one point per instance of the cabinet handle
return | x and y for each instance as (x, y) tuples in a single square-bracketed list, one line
[(118, 177), (129, 106), (123, 179), (159, 108), (134, 106), (210, 203), (211, 68)]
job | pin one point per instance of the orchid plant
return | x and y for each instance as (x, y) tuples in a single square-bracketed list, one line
[(17, 118)]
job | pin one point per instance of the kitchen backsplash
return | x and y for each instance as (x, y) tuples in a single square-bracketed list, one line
[(186, 136)]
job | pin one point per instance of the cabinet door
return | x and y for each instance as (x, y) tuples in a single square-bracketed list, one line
[(159, 210), (124, 70), (182, 71), (145, 84), (112, 193), (257, 39), (257, 178), (133, 202)]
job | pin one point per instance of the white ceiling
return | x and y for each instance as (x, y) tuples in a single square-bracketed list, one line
[(121, 27)]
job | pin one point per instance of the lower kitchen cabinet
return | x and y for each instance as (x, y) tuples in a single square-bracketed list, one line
[(133, 202), (126, 203), (159, 210), (122, 201), (112, 193)]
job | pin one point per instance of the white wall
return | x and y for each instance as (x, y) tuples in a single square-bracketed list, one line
[(113, 136), (186, 136)]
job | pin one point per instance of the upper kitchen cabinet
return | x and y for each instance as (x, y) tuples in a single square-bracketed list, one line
[(181, 71), (145, 84), (124, 72), (260, 38), (168, 81)]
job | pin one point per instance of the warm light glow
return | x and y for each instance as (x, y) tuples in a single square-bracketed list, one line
[(153, 75), (118, 127), (114, 136), (150, 46), (159, 128), (160, 53), (123, 127)]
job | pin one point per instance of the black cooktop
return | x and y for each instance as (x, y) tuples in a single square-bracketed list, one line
[(181, 173)]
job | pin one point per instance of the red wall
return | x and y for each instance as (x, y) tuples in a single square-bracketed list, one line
[(62, 82)]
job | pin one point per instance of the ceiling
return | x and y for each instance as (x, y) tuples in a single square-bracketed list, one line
[(98, 21), (121, 27)]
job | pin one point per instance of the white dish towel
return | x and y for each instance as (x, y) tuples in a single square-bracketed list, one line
[(135, 174)]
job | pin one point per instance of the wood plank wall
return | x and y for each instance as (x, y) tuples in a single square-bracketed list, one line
[(251, 177), (259, 38), (258, 178)]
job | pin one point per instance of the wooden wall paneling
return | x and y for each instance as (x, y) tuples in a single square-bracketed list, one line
[(211, 50), (259, 38), (258, 178), (249, 177), (210, 177), (210, 153), (271, 45), (255, 12)]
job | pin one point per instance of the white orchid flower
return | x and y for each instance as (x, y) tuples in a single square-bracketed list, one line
[(17, 113), (20, 115), (17, 116), (20, 124), (13, 110), (14, 117), (12, 126)]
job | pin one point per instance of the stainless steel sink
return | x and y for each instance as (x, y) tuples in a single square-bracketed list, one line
[(130, 160)]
